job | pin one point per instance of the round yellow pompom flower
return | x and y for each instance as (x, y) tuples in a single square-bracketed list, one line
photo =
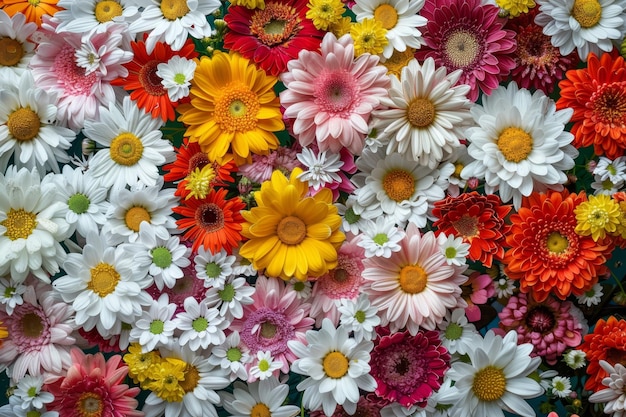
[(598, 216), (292, 235)]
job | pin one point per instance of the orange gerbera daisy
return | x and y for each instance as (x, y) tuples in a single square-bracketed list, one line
[(33, 10), (598, 96), (213, 222), (607, 343), (546, 255)]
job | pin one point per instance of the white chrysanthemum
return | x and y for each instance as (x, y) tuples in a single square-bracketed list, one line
[(398, 17), (614, 395), (28, 129), (86, 15), (520, 144), (32, 223), (264, 367), (561, 386), (494, 379), (18, 50), (336, 367), (584, 25), (575, 359), (322, 169), (380, 238), (176, 75), (606, 187), (351, 221), (134, 146), (504, 287), (29, 392), (201, 325), (425, 113), (453, 249), (262, 398), (214, 269), (230, 299), (155, 328), (359, 316), (611, 170), (591, 297), (172, 22), (232, 356), (104, 285), (301, 288), (11, 294), (457, 334)]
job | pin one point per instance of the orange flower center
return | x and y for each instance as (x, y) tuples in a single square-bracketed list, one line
[(24, 124), (192, 378), (335, 364), (134, 216), (466, 226), (515, 144), (106, 10), (275, 24), (461, 48), (32, 327), (421, 112), (489, 384), (587, 12), (609, 104), (291, 230), (11, 52), (236, 108), (174, 9), (387, 15), (399, 60), (260, 410), (19, 224), (413, 279), (90, 405), (399, 184), (104, 279)]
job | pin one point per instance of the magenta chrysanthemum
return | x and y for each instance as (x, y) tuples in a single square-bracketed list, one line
[(549, 325), (468, 35), (409, 368), (330, 95)]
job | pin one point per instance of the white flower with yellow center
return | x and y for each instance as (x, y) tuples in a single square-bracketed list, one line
[(176, 75), (86, 15), (336, 367), (259, 399), (155, 328), (134, 146), (398, 17), (32, 223), (519, 145), (584, 25), (15, 48), (494, 379)]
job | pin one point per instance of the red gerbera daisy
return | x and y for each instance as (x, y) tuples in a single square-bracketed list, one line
[(607, 343), (143, 82), (546, 255), (479, 220), (213, 222), (598, 96), (271, 36)]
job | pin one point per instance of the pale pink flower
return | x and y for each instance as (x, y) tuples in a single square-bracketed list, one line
[(477, 291), (262, 166)]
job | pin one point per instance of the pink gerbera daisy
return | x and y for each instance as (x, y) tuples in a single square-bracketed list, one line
[(92, 387), (468, 35), (276, 317), (330, 95)]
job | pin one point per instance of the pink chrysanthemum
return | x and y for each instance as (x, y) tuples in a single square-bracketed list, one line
[(343, 282), (468, 35), (549, 325), (330, 95), (415, 286), (276, 317), (409, 368), (262, 166), (92, 387), (477, 291)]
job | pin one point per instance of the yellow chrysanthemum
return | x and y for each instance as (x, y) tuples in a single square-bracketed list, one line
[(515, 7), (292, 235), (399, 60), (369, 36), (166, 378), (233, 108), (325, 13), (342, 27), (199, 182), (597, 217), (249, 4), (139, 362)]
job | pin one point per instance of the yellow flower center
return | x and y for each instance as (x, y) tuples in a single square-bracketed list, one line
[(399, 184), (104, 279), (236, 108), (19, 223), (90, 405), (461, 48), (134, 216), (413, 279), (399, 60), (291, 230), (192, 378), (11, 52), (421, 112), (106, 10), (386, 15), (557, 243), (335, 364), (466, 226), (489, 384), (174, 9), (126, 149), (587, 12), (24, 124), (458, 168), (515, 144), (32, 326), (260, 410)]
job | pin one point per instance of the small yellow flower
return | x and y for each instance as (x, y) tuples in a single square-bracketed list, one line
[(369, 37), (139, 362), (598, 216), (325, 13), (165, 379), (199, 182), (399, 60), (515, 7), (249, 4), (342, 27)]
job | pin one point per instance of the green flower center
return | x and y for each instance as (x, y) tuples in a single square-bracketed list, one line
[(156, 327), (78, 203), (380, 239), (264, 365), (351, 217), (213, 270), (360, 316), (179, 79), (453, 331), (233, 354), (450, 252), (161, 257), (228, 293), (200, 324)]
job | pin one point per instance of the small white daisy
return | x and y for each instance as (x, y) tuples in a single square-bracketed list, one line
[(155, 328), (231, 298), (614, 170), (176, 75), (322, 169), (453, 249), (86, 15), (614, 394), (607, 187), (262, 398), (505, 287), (29, 392), (359, 317), (264, 367), (561, 386), (575, 359), (456, 333), (591, 297), (380, 238), (201, 325), (232, 356), (214, 269), (11, 294), (301, 288), (351, 222)]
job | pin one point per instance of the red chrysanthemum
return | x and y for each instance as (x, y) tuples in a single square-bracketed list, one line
[(468, 35), (607, 343), (92, 387), (546, 255), (143, 82), (408, 368), (213, 222), (479, 220), (598, 96), (272, 36)]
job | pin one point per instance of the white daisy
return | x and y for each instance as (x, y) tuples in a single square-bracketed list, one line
[(29, 393), (584, 25), (494, 379), (398, 17), (214, 269), (575, 359), (134, 146), (155, 328), (359, 317), (614, 395), (591, 297), (351, 221), (456, 333), (322, 169), (104, 285), (504, 287), (176, 75), (380, 238), (612, 170), (232, 356), (29, 134), (425, 113), (15, 32), (86, 15), (231, 299), (561, 386), (336, 367), (11, 294), (301, 288), (264, 367), (171, 21), (32, 223), (453, 249), (607, 187), (520, 144), (262, 398), (201, 325)]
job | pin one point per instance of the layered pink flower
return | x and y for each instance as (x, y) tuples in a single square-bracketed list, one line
[(477, 291)]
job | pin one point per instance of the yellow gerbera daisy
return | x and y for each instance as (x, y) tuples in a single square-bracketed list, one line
[(598, 216), (292, 235), (233, 105)]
